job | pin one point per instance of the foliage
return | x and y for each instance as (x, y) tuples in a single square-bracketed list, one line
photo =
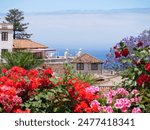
[(15, 17), (131, 42), (40, 91), (18, 85), (69, 73), (19, 58), (86, 77), (137, 75), (49, 100)]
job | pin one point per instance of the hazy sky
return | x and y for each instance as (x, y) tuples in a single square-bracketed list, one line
[(53, 5), (88, 31)]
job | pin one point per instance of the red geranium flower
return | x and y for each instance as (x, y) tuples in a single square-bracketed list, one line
[(117, 54), (143, 78), (48, 71), (147, 67), (125, 52), (140, 43), (4, 70)]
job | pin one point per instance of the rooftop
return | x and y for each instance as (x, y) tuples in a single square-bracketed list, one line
[(6, 26), (86, 58), (27, 44)]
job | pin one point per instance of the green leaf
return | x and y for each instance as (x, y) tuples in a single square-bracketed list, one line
[(121, 44)]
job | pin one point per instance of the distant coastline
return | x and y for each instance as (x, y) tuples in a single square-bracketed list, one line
[(100, 54)]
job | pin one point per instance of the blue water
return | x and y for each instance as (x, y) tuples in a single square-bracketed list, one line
[(100, 54)]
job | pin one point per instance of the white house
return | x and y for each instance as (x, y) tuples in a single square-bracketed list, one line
[(6, 37)]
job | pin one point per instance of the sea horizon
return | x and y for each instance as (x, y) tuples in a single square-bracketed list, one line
[(99, 54)]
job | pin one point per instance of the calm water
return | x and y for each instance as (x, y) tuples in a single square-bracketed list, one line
[(100, 54)]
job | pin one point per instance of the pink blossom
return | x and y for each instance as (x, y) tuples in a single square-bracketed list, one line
[(134, 91), (92, 89), (109, 100), (107, 109), (124, 110), (136, 99), (122, 91), (95, 103), (136, 110), (122, 103)]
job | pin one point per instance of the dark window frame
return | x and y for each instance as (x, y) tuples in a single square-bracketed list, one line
[(94, 66), (4, 36), (4, 50), (80, 66)]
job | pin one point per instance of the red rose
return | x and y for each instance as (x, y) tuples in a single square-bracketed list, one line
[(125, 52), (147, 67), (117, 54), (140, 43)]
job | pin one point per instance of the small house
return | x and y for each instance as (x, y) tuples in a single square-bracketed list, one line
[(86, 63)]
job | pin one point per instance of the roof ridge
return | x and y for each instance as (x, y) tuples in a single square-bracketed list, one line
[(31, 41)]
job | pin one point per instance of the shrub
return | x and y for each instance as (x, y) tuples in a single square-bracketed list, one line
[(22, 59)]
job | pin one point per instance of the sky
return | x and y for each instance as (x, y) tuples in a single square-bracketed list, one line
[(98, 31), (55, 5)]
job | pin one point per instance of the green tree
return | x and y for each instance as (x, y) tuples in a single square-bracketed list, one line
[(25, 60), (16, 17)]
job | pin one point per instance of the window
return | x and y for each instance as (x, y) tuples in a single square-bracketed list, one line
[(4, 36), (80, 66), (94, 66), (3, 51)]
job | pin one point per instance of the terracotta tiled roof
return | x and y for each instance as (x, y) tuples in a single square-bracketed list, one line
[(86, 58), (27, 44)]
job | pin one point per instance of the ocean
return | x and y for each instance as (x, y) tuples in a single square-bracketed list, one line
[(100, 54)]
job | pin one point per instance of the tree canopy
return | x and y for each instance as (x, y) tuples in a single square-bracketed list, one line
[(16, 17)]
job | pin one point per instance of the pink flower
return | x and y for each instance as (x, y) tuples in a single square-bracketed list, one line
[(136, 110), (107, 109), (94, 104), (92, 89), (124, 110), (122, 103), (109, 100), (134, 91), (122, 91)]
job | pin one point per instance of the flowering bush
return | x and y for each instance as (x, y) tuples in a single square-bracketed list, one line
[(34, 90), (137, 74), (114, 57), (17, 85)]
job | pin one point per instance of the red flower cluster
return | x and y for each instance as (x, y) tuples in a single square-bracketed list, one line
[(124, 52), (83, 94), (140, 43), (143, 78), (147, 67), (18, 84)]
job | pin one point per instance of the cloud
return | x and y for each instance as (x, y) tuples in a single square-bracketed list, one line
[(100, 30), (87, 29)]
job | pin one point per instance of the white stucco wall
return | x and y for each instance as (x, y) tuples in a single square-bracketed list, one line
[(6, 44)]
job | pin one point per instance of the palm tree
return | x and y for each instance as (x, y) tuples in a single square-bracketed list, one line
[(25, 60)]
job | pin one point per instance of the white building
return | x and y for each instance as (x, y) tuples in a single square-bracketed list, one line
[(6, 37)]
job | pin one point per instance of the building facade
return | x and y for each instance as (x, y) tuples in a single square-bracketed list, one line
[(6, 37), (86, 63)]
